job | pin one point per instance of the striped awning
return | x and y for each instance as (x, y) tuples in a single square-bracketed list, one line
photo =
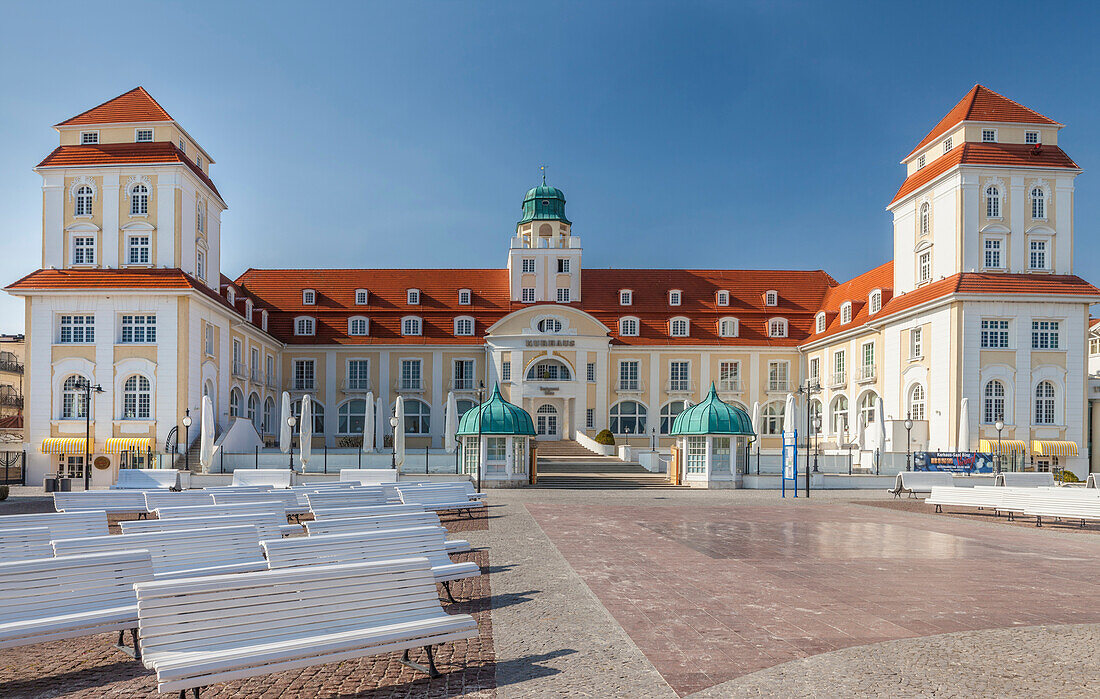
[(66, 445), (1043, 447), (117, 445), (1008, 447)]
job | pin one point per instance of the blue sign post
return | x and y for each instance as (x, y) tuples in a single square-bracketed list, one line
[(790, 463)]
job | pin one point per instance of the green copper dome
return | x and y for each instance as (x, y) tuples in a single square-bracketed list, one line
[(712, 416), (544, 203), (498, 417)]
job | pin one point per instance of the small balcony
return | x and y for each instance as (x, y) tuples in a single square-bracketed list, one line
[(779, 386), (408, 386), (866, 373), (270, 381), (729, 386), (630, 386), (356, 386), (257, 377), (462, 385), (240, 370), (11, 366), (838, 379), (302, 385), (11, 400), (680, 386)]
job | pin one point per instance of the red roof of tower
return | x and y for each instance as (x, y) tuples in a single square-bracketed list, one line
[(132, 106)]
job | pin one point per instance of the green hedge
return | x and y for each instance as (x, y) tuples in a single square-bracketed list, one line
[(605, 437)]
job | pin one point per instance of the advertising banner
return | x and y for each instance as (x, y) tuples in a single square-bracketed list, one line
[(953, 461)]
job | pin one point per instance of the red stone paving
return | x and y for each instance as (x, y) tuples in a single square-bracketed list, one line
[(713, 593)]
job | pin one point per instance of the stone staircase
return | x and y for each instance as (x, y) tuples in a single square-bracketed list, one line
[(566, 464)]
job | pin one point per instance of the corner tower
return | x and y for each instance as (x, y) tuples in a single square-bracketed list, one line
[(544, 261)]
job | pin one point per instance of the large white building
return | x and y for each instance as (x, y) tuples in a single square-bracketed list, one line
[(978, 307)]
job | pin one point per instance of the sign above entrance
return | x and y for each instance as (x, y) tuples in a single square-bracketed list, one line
[(551, 343)]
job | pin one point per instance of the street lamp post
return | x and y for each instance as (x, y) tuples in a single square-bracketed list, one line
[(393, 443), (817, 439), (808, 389), (88, 388), (291, 420), (1000, 425), (908, 445), (187, 440)]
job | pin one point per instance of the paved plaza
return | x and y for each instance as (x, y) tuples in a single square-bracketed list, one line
[(667, 593)]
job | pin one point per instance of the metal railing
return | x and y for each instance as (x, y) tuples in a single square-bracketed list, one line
[(866, 373), (355, 386), (11, 400), (839, 378), (629, 385), (240, 370), (257, 376), (302, 385), (270, 381), (729, 385), (462, 385), (680, 386), (11, 366), (407, 386), (778, 385)]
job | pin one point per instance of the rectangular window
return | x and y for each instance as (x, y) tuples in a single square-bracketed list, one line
[(678, 376), (254, 363), (183, 145), (1044, 334), (563, 295), (83, 250), (1037, 254), (496, 448), (696, 461), (989, 136), (139, 250), (916, 343), (210, 340), (628, 376), (358, 374), (626, 297), (591, 372), (198, 161), (729, 376), (528, 265), (269, 370), (410, 374), (590, 419), (947, 144), (413, 297), (143, 135), (77, 329), (994, 334), (925, 268), (89, 137), (815, 369), (528, 295), (200, 265), (993, 253), (361, 297), (139, 329), (839, 365), (777, 376), (303, 374), (1031, 137), (464, 297), (868, 353), (674, 298), (506, 371), (920, 162), (463, 374), (563, 265)]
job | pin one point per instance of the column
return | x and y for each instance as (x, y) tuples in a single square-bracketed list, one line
[(166, 221), (439, 400), (109, 200)]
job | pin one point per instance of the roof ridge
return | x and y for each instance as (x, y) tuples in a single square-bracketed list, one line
[(139, 90)]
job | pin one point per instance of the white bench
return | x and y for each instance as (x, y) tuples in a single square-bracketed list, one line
[(25, 543), (276, 477), (113, 501), (288, 500), (355, 497), (1051, 504), (914, 482), (237, 508), (466, 486), (181, 553), (62, 525), (1025, 480), (377, 545), (147, 478), (238, 489), (266, 523), (440, 498), (965, 497), (368, 511), (370, 476), (202, 631), (1093, 481), (399, 521), (49, 599), (326, 485), (191, 497)]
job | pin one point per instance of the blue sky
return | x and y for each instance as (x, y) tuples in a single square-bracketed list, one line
[(404, 134)]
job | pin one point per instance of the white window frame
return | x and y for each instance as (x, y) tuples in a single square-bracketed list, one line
[(139, 201), (998, 251), (460, 326), (1046, 331), (563, 294), (734, 329), (846, 313), (771, 297), (924, 272), (141, 130), (675, 297), (679, 326), (995, 333), (819, 323), (89, 138), (993, 203), (465, 297), (84, 328), (625, 329), (137, 328), (527, 294), (133, 246), (309, 297), (506, 370), (1033, 142), (778, 327), (305, 326), (947, 145), (301, 370), (412, 297), (916, 343), (89, 252), (921, 162), (209, 340), (924, 219), (590, 372), (200, 264), (354, 321), (83, 199), (874, 302), (563, 265), (729, 375), (991, 132), (626, 297), (722, 297), (183, 146), (412, 326), (1032, 242), (362, 296), (527, 265), (405, 378), (1038, 203)]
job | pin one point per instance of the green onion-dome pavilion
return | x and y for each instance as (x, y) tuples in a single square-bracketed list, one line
[(712, 416), (544, 203), (498, 417)]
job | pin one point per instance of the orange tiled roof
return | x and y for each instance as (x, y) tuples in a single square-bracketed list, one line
[(137, 105), (857, 290), (992, 283), (1003, 154), (124, 154), (983, 104)]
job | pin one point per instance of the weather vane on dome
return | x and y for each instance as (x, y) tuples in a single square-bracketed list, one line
[(543, 168)]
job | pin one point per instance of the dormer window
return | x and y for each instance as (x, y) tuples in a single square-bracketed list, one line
[(846, 312), (771, 298), (628, 327), (728, 327), (874, 302), (464, 326), (183, 146), (231, 295), (920, 162), (1031, 137), (626, 297), (309, 297), (989, 135), (674, 297), (412, 297), (248, 310), (361, 297), (88, 138), (777, 327), (678, 327), (263, 320), (819, 323), (143, 135), (722, 298), (464, 297), (305, 326), (410, 325), (198, 161), (947, 144), (357, 326)]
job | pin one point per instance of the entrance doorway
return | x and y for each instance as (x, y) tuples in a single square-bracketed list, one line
[(546, 419)]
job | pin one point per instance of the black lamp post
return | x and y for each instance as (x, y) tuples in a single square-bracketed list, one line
[(83, 384), (808, 389), (1000, 425), (817, 439), (393, 443), (187, 439), (908, 445), (291, 420)]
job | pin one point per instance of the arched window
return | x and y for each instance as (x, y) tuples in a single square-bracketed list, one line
[(549, 370), (235, 399), (874, 302), (1044, 403), (727, 327), (819, 323), (410, 325), (846, 312), (993, 402), (678, 327), (309, 297), (839, 414), (992, 201), (83, 201), (351, 416), (254, 410), (772, 418), (777, 327), (628, 417), (628, 327), (73, 404), (722, 298), (268, 424), (139, 200), (462, 406), (464, 325), (549, 325), (304, 326), (316, 410), (867, 407), (417, 417), (916, 402), (815, 413), (669, 411), (1038, 203), (135, 398), (357, 325), (925, 223)]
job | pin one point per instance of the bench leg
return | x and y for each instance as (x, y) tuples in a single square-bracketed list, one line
[(939, 509), (134, 652), (194, 693), (447, 588), (1038, 521), (430, 669)]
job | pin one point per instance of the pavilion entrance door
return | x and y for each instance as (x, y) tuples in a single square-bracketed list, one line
[(546, 423)]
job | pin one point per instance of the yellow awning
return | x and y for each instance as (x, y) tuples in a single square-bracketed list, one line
[(66, 445), (117, 445), (1043, 447), (1009, 447)]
